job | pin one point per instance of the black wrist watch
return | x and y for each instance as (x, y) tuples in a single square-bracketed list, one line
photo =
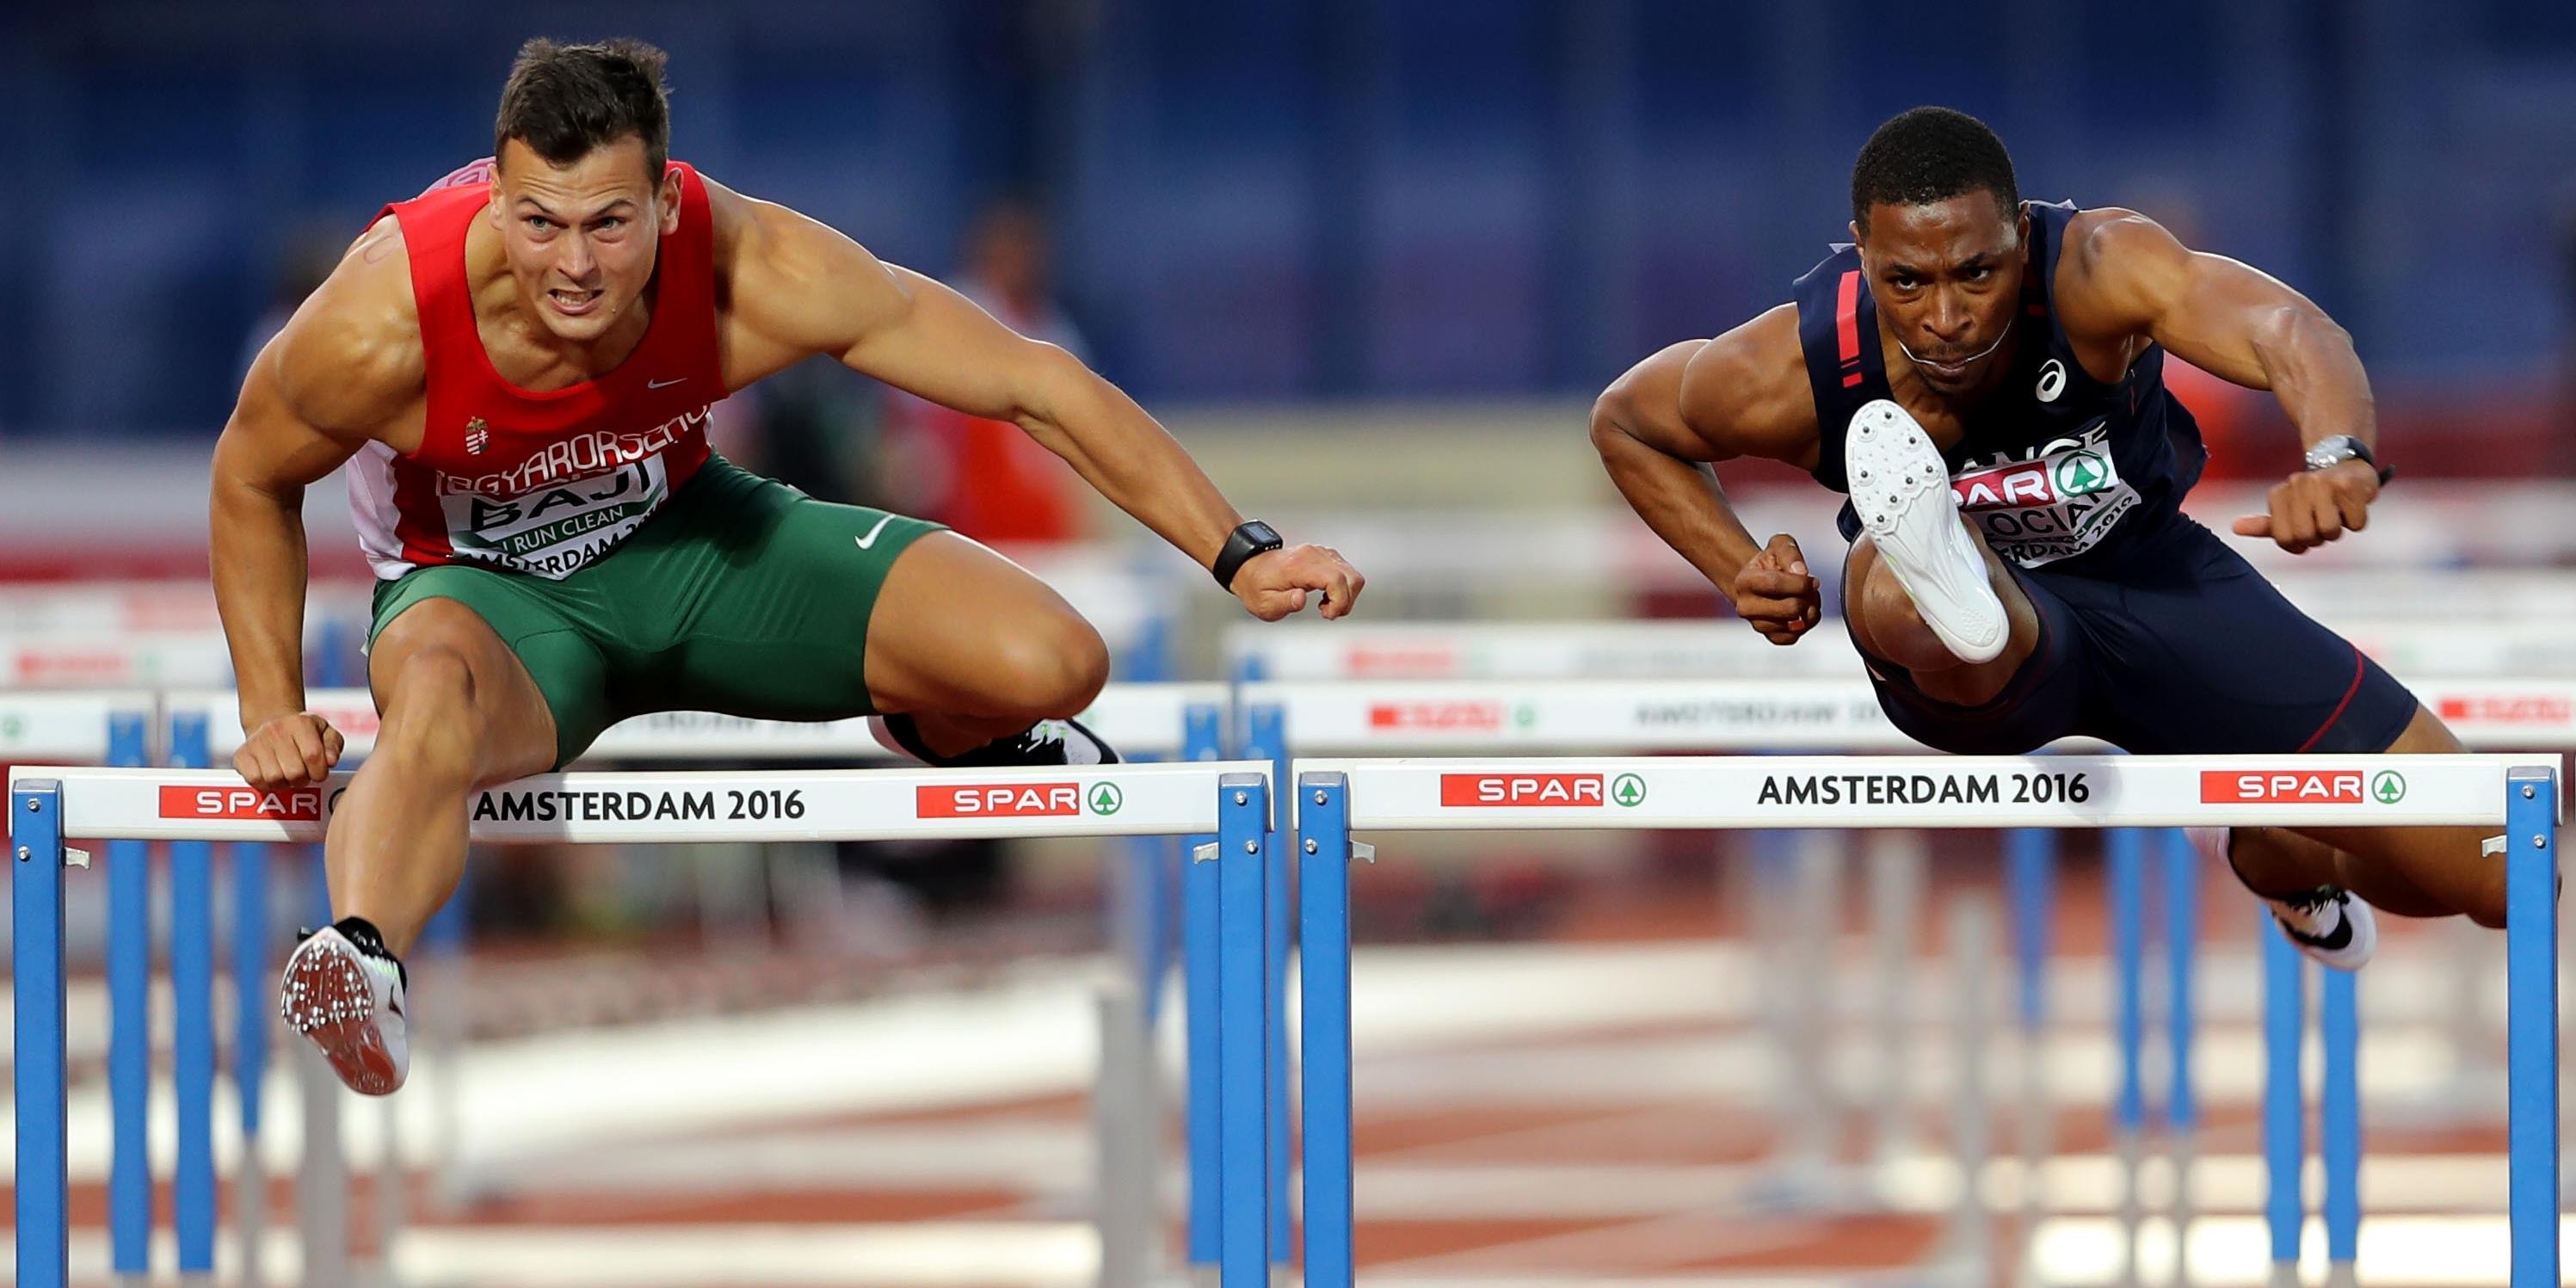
[(2331, 452), (1253, 538)]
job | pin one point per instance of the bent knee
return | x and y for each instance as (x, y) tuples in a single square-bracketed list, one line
[(429, 709), (1055, 669)]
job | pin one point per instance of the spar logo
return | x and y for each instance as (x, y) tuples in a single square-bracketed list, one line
[(1106, 799), (2288, 786), (1005, 800), (2496, 709), (2388, 787), (301, 805), (1531, 791), (1470, 717), (1400, 662)]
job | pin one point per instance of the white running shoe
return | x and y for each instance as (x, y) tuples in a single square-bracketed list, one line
[(1901, 491), (350, 1003), (2327, 924)]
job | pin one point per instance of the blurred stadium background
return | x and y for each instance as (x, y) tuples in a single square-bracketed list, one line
[(1369, 259)]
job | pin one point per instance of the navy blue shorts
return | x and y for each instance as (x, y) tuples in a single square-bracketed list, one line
[(2181, 649)]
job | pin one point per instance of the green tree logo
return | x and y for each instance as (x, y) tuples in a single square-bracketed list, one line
[(1106, 799), (2081, 473), (1628, 790), (2389, 787)]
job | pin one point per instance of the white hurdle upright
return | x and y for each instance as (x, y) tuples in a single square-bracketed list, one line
[(1337, 799), (49, 805)]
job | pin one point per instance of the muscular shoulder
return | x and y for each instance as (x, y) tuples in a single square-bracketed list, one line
[(2115, 268), (1746, 392), (350, 359), (792, 278)]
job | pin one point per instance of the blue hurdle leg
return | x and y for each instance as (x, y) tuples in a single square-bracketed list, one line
[(2339, 1128), (1267, 739), (2284, 1129), (2531, 1020), (254, 1010), (2125, 850), (1324, 939), (1200, 911), (36, 957), (1242, 1032), (129, 1040), (2182, 954), (192, 1005)]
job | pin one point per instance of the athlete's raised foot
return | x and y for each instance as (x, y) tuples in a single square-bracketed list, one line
[(2328, 924), (349, 1004), (1900, 488)]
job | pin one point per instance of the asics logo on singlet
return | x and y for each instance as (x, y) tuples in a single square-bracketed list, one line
[(2052, 380)]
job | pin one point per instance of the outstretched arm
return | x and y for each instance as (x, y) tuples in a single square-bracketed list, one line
[(804, 288), (2124, 274)]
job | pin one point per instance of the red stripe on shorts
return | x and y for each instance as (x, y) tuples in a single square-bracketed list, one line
[(2338, 711)]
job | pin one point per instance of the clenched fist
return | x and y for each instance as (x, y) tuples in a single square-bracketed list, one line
[(1275, 583), (2313, 507), (295, 750), (1775, 594)]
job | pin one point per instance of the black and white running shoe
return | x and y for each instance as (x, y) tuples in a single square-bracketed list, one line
[(2326, 923), (1048, 742)]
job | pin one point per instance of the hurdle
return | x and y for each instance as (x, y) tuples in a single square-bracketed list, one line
[(1336, 799), (1440, 687), (1177, 721), (50, 805)]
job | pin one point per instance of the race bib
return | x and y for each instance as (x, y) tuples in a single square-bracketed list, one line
[(2059, 503), (552, 531)]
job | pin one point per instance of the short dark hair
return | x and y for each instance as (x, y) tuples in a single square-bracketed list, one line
[(1931, 154), (566, 101)]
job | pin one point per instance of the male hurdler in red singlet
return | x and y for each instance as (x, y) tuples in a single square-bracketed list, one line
[(516, 368)]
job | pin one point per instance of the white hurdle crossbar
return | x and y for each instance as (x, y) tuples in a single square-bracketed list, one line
[(1483, 716), (1667, 649), (1334, 799), (49, 806)]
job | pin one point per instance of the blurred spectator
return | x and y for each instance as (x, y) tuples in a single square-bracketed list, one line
[(818, 427), (988, 479)]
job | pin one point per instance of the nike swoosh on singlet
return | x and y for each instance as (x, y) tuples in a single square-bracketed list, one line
[(869, 541), (665, 384)]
